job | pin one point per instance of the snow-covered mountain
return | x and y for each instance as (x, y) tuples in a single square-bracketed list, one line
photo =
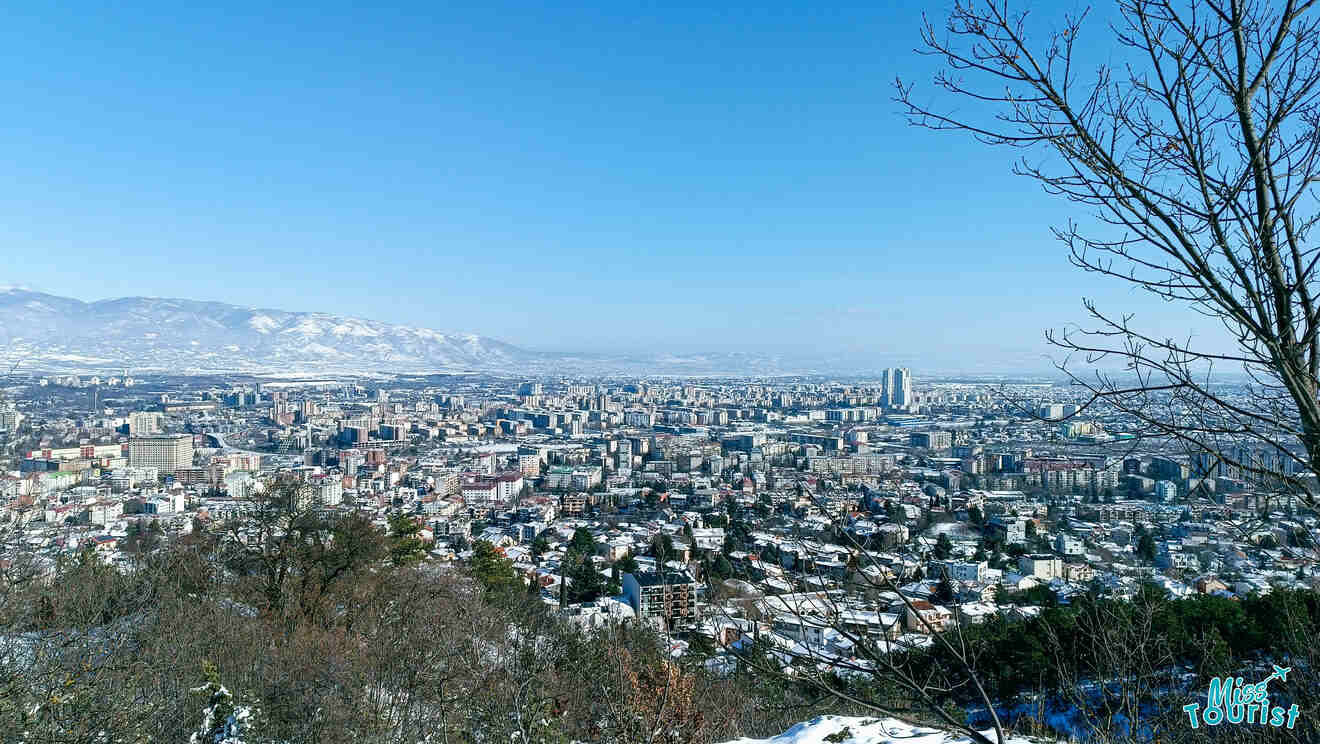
[(46, 331), (50, 333)]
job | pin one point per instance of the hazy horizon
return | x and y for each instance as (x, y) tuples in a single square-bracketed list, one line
[(840, 361)]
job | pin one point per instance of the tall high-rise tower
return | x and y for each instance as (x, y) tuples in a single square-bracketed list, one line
[(902, 387)]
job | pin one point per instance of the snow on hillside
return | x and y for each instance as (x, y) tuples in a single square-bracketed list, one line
[(47, 332), (854, 730), (187, 335)]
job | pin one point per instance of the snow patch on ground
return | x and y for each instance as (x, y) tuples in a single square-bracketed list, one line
[(855, 730)]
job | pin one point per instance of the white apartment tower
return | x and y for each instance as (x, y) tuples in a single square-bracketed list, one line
[(902, 391), (165, 452), (896, 387), (143, 423)]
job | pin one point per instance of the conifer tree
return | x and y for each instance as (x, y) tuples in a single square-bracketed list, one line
[(223, 720), (405, 543)]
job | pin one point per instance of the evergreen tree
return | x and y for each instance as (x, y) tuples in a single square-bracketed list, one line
[(223, 720), (152, 537), (132, 542), (406, 546), (943, 547), (943, 592), (722, 568), (490, 568), (583, 543), (539, 546), (1146, 549), (625, 565), (585, 582)]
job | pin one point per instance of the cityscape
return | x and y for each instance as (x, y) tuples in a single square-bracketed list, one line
[(610, 373), (714, 510)]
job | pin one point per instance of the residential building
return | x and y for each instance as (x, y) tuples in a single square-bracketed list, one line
[(1042, 566), (959, 570), (670, 596), (165, 452)]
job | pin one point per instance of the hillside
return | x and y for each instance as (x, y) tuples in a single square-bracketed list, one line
[(173, 334), (51, 333)]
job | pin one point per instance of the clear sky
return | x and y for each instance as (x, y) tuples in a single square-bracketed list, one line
[(604, 175)]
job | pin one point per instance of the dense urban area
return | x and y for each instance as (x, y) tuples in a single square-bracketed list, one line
[(661, 373), (807, 517)]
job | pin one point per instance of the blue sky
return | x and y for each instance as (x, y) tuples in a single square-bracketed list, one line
[(590, 175)]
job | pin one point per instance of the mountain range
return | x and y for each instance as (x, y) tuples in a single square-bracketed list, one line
[(50, 333)]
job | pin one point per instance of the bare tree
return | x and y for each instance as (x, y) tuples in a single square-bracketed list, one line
[(294, 550), (1194, 148)]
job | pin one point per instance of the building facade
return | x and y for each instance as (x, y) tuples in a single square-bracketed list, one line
[(166, 452)]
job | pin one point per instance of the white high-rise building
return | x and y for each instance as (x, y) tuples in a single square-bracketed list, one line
[(1051, 411), (896, 387), (143, 423), (331, 490), (486, 463), (902, 390), (166, 452)]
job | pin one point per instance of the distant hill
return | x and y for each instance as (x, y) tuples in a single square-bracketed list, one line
[(172, 334), (47, 332)]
